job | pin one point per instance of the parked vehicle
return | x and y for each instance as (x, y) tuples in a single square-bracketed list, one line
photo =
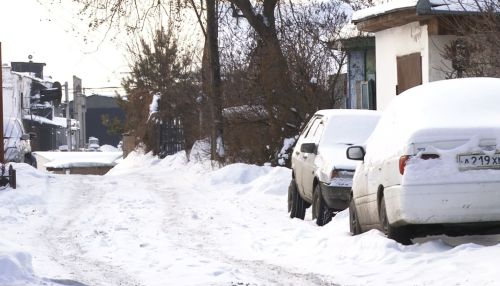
[(432, 165), (321, 174), (17, 146)]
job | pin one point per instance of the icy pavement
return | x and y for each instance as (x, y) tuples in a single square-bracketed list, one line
[(169, 222)]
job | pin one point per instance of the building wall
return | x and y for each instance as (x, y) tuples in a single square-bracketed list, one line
[(438, 65), (394, 42), (97, 106), (16, 93), (404, 40)]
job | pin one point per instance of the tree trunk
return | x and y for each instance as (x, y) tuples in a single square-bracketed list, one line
[(282, 102), (214, 81)]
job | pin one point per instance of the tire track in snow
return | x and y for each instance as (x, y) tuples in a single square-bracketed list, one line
[(204, 245), (61, 237)]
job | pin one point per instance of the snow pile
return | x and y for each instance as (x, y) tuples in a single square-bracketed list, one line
[(286, 150), (200, 151), (108, 148), (76, 159), (154, 106), (15, 266)]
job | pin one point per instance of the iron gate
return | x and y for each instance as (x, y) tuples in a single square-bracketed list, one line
[(171, 137)]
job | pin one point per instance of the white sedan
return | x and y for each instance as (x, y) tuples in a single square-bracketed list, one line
[(432, 165)]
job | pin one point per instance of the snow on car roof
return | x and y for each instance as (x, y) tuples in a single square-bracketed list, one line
[(468, 102), (442, 105)]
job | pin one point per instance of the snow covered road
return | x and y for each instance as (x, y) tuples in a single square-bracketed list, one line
[(169, 222)]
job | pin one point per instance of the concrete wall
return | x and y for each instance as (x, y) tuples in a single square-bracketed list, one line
[(394, 42)]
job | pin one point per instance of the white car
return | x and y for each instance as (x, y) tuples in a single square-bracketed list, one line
[(432, 165), (17, 146), (321, 173)]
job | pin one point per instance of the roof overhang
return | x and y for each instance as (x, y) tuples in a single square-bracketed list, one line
[(379, 18), (357, 43), (388, 20)]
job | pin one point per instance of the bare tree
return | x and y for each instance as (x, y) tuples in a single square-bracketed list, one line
[(135, 16), (305, 33), (475, 51)]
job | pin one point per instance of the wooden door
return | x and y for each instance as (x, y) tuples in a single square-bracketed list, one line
[(409, 72)]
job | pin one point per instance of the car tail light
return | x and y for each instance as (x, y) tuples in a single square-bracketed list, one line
[(334, 174), (402, 163), (404, 159)]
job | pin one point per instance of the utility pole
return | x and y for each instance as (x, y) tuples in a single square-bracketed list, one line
[(79, 106), (68, 118), (2, 155)]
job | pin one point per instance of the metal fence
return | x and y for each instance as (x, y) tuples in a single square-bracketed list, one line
[(171, 137)]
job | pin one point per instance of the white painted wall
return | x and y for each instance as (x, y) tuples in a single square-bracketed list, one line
[(14, 87), (404, 40), (438, 67), (394, 42)]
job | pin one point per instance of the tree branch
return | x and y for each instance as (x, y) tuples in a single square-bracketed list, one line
[(198, 16), (253, 19)]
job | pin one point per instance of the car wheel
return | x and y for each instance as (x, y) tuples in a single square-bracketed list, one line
[(296, 205), (354, 225), (399, 234), (321, 212)]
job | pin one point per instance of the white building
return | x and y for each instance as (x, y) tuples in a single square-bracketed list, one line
[(16, 93), (410, 36)]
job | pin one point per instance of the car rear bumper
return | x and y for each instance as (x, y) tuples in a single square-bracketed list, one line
[(336, 197), (443, 203)]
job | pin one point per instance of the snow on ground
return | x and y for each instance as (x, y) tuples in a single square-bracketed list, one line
[(173, 222)]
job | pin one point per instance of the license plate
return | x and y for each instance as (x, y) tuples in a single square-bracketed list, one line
[(479, 161)]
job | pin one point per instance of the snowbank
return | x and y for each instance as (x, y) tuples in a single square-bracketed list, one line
[(15, 266)]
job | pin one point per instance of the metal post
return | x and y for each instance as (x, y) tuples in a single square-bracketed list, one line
[(68, 118), (2, 155)]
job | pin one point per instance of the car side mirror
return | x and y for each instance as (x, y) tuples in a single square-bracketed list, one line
[(25, 137), (308, 148), (356, 153)]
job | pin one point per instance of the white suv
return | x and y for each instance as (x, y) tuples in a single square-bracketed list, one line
[(321, 173)]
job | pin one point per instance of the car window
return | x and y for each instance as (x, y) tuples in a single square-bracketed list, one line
[(318, 132), (350, 129), (311, 131)]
